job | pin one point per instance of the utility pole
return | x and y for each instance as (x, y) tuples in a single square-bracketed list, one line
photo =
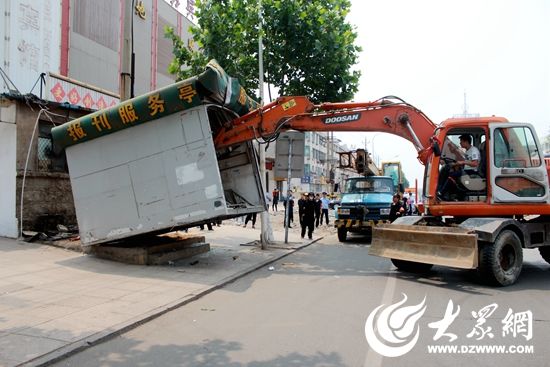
[(289, 177), (125, 83), (331, 166), (266, 235), (327, 175)]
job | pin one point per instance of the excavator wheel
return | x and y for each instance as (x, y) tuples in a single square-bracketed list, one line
[(500, 262), (411, 266), (545, 253), (342, 234)]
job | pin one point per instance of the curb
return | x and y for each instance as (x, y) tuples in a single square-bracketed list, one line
[(102, 336)]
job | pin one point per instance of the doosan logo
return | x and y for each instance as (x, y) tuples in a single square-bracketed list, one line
[(342, 119)]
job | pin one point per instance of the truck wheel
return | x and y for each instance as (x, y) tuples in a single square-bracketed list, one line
[(545, 253), (411, 266), (342, 234), (500, 262)]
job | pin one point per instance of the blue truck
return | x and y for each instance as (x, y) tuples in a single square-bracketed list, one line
[(366, 201)]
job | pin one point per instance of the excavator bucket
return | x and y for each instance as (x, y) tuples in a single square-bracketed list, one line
[(447, 246)]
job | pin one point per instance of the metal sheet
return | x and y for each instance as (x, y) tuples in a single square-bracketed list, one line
[(281, 155), (447, 246), (124, 187)]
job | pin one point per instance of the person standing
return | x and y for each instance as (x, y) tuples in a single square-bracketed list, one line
[(317, 209), (250, 216), (412, 204), (208, 224), (275, 200), (405, 204), (301, 203), (308, 216), (289, 207), (324, 208), (396, 209)]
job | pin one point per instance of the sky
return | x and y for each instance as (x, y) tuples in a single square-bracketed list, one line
[(430, 53)]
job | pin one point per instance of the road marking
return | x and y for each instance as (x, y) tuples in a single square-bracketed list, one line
[(373, 359)]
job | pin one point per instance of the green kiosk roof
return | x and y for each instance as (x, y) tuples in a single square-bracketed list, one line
[(212, 86)]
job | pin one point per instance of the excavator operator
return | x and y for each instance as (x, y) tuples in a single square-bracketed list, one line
[(469, 166)]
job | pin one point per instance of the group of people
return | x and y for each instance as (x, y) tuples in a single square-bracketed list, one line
[(402, 206), (312, 209)]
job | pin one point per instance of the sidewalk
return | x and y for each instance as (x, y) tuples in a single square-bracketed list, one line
[(54, 301)]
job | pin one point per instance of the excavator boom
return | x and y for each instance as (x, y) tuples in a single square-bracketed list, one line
[(389, 114)]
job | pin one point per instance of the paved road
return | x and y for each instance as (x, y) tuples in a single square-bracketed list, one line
[(311, 311)]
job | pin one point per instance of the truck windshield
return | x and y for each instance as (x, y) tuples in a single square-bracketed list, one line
[(375, 184)]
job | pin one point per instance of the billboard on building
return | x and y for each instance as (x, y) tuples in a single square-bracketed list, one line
[(31, 34)]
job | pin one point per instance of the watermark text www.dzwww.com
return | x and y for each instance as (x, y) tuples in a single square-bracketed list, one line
[(394, 330), (482, 349)]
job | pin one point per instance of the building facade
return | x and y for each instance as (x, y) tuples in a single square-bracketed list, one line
[(65, 57)]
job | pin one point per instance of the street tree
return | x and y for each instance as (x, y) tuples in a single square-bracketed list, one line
[(308, 46)]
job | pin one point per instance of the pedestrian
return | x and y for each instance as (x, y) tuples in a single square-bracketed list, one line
[(308, 216), (208, 224), (405, 205), (275, 200), (317, 209), (324, 208), (250, 216), (412, 204), (301, 202), (290, 208), (396, 209)]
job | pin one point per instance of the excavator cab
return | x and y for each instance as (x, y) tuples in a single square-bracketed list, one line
[(471, 185)]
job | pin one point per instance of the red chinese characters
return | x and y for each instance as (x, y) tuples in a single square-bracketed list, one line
[(58, 92)]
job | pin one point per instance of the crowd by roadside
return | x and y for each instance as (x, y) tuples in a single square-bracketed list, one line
[(402, 206), (306, 214)]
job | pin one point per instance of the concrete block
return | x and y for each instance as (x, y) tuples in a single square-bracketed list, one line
[(148, 252)]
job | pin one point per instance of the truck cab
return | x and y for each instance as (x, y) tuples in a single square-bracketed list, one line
[(365, 203)]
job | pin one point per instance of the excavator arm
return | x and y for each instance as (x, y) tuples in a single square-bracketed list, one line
[(389, 114), (404, 244)]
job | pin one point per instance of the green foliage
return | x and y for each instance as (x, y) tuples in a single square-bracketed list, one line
[(308, 46)]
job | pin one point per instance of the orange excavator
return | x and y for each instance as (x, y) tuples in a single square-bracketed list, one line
[(492, 213)]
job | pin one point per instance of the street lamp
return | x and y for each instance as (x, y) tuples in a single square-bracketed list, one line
[(376, 161)]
